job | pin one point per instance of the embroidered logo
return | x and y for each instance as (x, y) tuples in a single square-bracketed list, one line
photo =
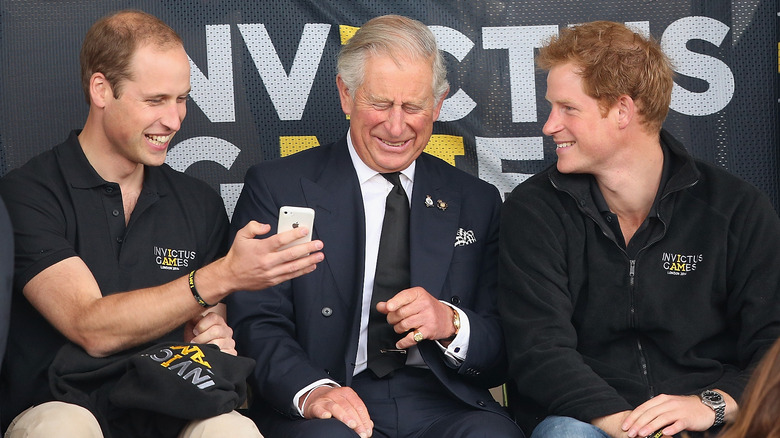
[(172, 259), (188, 362), (463, 237), (680, 264)]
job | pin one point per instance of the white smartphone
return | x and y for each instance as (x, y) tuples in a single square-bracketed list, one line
[(294, 217)]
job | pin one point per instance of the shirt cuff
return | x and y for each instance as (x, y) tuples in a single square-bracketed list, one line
[(455, 354), (310, 387)]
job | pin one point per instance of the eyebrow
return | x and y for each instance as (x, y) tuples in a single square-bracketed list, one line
[(163, 95), (371, 98)]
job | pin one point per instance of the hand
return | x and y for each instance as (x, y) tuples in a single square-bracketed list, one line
[(415, 308), (611, 424), (342, 404), (257, 264), (672, 413), (210, 328)]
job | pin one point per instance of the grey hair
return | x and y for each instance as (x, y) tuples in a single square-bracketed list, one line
[(394, 36)]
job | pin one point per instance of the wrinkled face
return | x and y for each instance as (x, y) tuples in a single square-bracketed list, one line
[(584, 137), (140, 124), (392, 114)]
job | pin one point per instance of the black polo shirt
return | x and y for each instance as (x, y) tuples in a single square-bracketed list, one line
[(60, 207)]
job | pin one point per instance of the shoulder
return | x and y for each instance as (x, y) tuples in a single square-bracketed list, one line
[(307, 161), (537, 187), (450, 176), (39, 178), (194, 195), (722, 190)]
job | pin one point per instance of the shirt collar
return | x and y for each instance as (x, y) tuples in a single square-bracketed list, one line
[(365, 173), (81, 175), (601, 203)]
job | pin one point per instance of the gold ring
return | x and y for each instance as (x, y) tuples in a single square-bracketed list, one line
[(418, 336)]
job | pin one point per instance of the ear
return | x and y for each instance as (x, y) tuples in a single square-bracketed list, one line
[(344, 96), (626, 110), (99, 90), (437, 109)]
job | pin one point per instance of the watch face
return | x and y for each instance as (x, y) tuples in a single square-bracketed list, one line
[(712, 396)]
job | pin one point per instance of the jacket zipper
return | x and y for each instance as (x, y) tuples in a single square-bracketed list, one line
[(632, 310)]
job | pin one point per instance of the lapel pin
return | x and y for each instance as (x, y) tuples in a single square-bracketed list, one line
[(428, 201), (441, 205)]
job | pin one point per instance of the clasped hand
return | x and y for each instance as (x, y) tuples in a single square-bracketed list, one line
[(416, 309)]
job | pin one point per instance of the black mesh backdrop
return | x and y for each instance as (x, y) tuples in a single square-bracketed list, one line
[(264, 79)]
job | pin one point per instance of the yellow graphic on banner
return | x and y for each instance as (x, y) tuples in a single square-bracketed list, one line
[(346, 32), (445, 147), (291, 144)]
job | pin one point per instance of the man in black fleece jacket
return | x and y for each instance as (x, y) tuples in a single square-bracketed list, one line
[(638, 286)]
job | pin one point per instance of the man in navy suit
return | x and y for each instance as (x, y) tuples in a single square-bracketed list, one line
[(309, 335)]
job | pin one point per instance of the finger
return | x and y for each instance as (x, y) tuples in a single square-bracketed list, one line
[(418, 321), (652, 420), (365, 420), (318, 410), (289, 236), (253, 229), (295, 268), (203, 322), (297, 251), (357, 407), (403, 298), (406, 342), (344, 413), (630, 422)]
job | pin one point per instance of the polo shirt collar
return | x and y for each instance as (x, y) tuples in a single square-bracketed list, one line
[(81, 175)]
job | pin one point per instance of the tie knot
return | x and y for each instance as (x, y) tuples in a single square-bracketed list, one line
[(393, 177)]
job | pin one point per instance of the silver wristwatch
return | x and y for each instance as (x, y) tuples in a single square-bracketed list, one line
[(715, 401)]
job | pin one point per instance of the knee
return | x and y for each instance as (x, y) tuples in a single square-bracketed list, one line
[(566, 427), (55, 419)]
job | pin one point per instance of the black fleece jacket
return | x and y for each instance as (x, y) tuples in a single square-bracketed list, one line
[(591, 331)]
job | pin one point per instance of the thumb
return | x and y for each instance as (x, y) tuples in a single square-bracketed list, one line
[(253, 229)]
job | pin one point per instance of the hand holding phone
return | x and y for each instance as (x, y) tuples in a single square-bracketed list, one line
[(294, 217)]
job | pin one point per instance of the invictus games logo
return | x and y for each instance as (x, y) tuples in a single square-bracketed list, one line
[(188, 362), (172, 259), (680, 264)]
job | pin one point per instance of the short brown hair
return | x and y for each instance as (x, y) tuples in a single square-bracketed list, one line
[(614, 61), (111, 42)]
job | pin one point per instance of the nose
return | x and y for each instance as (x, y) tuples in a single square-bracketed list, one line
[(173, 115), (396, 120), (553, 123)]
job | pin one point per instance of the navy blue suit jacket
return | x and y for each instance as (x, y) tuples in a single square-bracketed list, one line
[(306, 329)]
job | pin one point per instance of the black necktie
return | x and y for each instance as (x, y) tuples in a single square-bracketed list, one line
[(392, 276)]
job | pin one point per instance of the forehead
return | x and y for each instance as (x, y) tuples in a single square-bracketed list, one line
[(153, 67), (564, 83), (398, 78)]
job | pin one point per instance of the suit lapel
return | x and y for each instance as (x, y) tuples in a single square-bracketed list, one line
[(432, 229), (339, 220)]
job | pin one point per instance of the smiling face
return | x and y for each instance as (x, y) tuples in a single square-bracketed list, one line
[(140, 124), (392, 113), (583, 135)]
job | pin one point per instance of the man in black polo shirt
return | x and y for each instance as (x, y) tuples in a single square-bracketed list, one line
[(107, 234)]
